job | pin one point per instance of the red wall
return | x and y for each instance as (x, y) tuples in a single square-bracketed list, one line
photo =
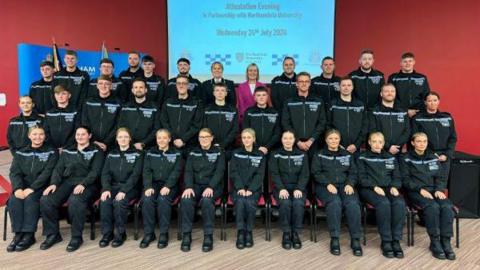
[(445, 36)]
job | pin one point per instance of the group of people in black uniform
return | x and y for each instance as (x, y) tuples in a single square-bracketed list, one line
[(340, 141)]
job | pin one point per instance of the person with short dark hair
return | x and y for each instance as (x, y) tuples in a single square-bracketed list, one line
[(155, 83), (391, 120), (182, 115), (208, 86), (246, 91), (264, 120), (412, 87), (289, 170), (349, 116), (335, 175), (204, 171), (119, 90), (140, 116), (17, 131), (61, 122), (367, 81), (440, 129), (133, 71), (194, 85), (327, 85), (75, 179), (247, 170), (222, 118), (380, 182), (100, 113), (161, 172), (121, 173), (425, 184), (73, 79), (30, 172), (284, 86), (305, 115), (41, 91)]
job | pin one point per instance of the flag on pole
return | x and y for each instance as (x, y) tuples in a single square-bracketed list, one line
[(104, 51), (57, 62)]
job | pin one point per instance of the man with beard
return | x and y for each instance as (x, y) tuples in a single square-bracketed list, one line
[(41, 91), (284, 86), (133, 71), (391, 120), (366, 80), (118, 88), (194, 85), (140, 116)]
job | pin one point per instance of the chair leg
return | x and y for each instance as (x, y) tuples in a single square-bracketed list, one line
[(314, 223), (223, 211), (412, 229), (457, 233), (179, 225), (408, 228), (312, 228), (135, 221), (364, 219), (5, 220), (93, 213), (269, 222)]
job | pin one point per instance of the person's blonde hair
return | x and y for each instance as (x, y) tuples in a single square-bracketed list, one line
[(332, 131), (249, 131), (123, 129), (376, 133), (30, 130), (258, 71), (419, 134), (164, 130)]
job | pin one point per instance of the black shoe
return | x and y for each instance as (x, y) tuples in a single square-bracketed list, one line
[(27, 241), (186, 242), (74, 244), (248, 239), (397, 249), (240, 239), (436, 248), (16, 239), (51, 240), (147, 239), (106, 239), (387, 249), (286, 241), (296, 242), (356, 247), (162, 240), (335, 246), (447, 248), (207, 243), (119, 239)]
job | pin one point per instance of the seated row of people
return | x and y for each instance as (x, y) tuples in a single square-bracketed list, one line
[(43, 181)]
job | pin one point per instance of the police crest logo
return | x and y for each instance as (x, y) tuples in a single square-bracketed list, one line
[(239, 56)]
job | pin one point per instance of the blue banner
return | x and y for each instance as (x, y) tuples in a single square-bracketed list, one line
[(30, 56)]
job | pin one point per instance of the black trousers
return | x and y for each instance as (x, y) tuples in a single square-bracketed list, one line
[(157, 206), (207, 205), (77, 207), (245, 209), (24, 213), (438, 214), (389, 211), (291, 211), (114, 213), (334, 203)]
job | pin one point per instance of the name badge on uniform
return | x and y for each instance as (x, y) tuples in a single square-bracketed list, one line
[(433, 166), (255, 162), (344, 161), (389, 165), (212, 157), (111, 108), (272, 119), (400, 118), (444, 122), (375, 79), (69, 117), (88, 155), (171, 158), (298, 161), (313, 107), (130, 158), (229, 117), (147, 113)]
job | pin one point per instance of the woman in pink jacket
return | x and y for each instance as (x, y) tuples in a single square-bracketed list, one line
[(245, 90)]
